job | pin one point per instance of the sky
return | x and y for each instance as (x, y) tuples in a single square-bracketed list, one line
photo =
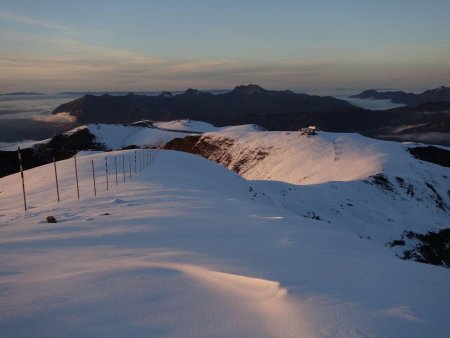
[(53, 46)]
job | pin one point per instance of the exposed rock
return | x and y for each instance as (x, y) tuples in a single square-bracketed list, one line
[(431, 154), (431, 247), (51, 219), (218, 149), (61, 147)]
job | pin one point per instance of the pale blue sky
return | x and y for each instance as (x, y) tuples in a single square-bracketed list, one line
[(153, 45)]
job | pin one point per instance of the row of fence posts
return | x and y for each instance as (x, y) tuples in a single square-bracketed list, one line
[(145, 158)]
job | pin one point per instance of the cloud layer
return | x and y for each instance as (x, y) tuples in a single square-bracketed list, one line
[(60, 118)]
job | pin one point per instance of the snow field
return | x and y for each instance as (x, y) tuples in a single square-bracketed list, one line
[(185, 249)]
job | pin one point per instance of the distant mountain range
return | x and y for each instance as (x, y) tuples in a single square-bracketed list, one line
[(22, 93), (432, 95), (273, 110), (217, 108)]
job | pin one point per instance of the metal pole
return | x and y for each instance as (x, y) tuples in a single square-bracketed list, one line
[(76, 175), (123, 167), (135, 168), (23, 180), (106, 170), (115, 167), (56, 178), (93, 176), (129, 163)]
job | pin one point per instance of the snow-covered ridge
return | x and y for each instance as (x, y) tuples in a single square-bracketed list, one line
[(352, 181), (148, 133), (293, 158), (187, 248), (376, 189)]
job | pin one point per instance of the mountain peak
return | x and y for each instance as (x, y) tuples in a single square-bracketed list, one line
[(442, 90), (165, 94), (192, 92), (250, 89)]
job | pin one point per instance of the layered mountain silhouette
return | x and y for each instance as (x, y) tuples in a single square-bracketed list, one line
[(243, 100), (441, 94), (273, 110)]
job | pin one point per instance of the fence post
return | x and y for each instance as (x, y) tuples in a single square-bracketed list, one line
[(23, 179), (123, 167), (56, 178), (76, 176), (93, 176), (129, 163), (115, 167), (135, 169), (106, 170)]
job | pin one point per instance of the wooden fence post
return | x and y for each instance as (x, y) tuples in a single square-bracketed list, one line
[(106, 170), (129, 163), (23, 179), (93, 176), (123, 167), (56, 178), (76, 176), (115, 167)]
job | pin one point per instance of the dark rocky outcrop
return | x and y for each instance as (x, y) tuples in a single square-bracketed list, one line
[(431, 247), (217, 149), (431, 154), (61, 147)]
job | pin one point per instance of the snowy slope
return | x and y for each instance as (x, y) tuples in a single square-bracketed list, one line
[(290, 157), (374, 188), (187, 248), (116, 136), (187, 125), (154, 133)]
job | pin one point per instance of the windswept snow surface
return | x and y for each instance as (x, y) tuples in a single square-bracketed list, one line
[(187, 125), (116, 136), (187, 248), (330, 177)]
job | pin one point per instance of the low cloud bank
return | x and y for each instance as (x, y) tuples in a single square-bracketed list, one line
[(57, 118)]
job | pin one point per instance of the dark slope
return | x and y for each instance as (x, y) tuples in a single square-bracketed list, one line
[(243, 100), (60, 146)]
